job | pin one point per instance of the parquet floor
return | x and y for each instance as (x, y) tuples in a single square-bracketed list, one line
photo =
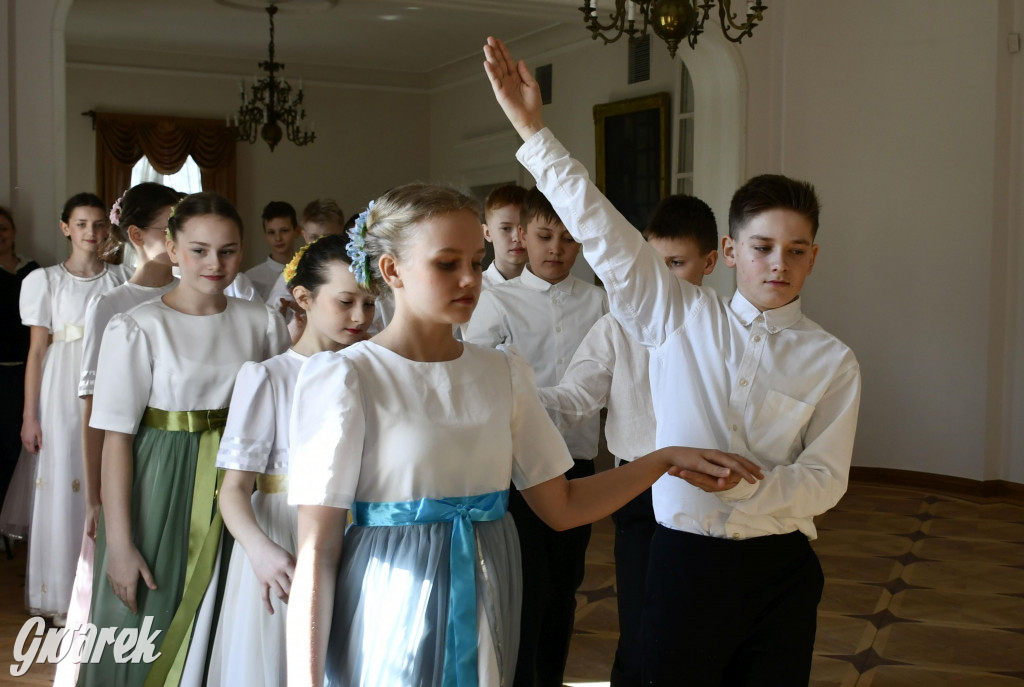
[(922, 590)]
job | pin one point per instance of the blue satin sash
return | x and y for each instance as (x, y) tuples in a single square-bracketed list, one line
[(460, 651)]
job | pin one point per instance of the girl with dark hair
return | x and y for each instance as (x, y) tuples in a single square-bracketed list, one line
[(249, 647), (138, 219), (53, 303), (163, 381), (13, 350)]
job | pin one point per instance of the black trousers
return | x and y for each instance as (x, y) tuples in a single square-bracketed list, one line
[(634, 527), (721, 612), (553, 567), (12, 400)]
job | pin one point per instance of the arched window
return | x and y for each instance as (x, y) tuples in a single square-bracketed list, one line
[(187, 179), (682, 163)]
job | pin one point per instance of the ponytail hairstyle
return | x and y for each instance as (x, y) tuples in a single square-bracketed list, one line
[(197, 205), (391, 222), (138, 207)]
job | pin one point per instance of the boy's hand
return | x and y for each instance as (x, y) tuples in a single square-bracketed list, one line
[(710, 469), (514, 87)]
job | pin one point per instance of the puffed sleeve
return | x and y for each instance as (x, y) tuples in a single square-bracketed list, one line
[(35, 300), (248, 441), (327, 430), (97, 317), (488, 327), (277, 340), (124, 377), (538, 449)]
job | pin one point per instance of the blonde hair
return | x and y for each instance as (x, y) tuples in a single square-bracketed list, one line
[(391, 222)]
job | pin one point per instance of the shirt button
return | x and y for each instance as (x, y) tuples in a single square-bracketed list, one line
[(757, 338), (735, 428), (735, 535), (743, 382), (558, 329), (559, 361)]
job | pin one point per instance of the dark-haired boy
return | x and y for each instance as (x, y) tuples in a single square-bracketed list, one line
[(610, 370), (545, 313), (502, 230), (733, 584), (280, 229)]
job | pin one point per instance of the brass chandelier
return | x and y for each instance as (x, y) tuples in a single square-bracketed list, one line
[(271, 105), (671, 20)]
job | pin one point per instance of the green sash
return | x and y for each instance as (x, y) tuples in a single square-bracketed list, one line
[(203, 533)]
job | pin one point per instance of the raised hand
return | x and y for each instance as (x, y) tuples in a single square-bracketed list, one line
[(514, 88)]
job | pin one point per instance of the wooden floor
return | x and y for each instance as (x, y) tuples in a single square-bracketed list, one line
[(921, 589)]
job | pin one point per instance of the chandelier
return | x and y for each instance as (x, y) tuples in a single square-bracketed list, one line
[(671, 20), (271, 105)]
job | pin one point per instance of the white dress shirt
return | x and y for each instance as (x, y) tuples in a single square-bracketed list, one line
[(264, 275), (609, 370), (772, 386), (492, 276), (545, 323)]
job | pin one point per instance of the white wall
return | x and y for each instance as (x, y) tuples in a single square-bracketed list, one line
[(367, 140)]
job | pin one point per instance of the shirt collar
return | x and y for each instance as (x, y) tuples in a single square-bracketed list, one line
[(774, 320), (492, 270), (532, 281)]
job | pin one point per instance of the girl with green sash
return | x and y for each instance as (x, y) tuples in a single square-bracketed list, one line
[(419, 435), (164, 378)]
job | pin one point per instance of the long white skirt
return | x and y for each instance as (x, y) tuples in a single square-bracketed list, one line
[(58, 512), (391, 605), (249, 648), (16, 515)]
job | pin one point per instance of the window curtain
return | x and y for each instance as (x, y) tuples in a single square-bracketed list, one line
[(122, 139)]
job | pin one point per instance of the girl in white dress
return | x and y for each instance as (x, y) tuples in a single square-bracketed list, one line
[(164, 378), (419, 435), (53, 303), (249, 648), (138, 218)]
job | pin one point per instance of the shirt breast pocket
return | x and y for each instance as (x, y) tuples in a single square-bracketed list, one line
[(777, 432)]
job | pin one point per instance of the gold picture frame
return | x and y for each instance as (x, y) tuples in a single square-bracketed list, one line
[(632, 140)]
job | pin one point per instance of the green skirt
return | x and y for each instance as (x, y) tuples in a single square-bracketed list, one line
[(176, 526)]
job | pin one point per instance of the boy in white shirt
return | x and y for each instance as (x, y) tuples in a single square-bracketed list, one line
[(502, 230), (280, 229), (610, 369), (733, 584), (320, 217), (545, 313)]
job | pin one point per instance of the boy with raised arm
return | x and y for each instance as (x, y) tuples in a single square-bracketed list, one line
[(733, 584), (610, 370)]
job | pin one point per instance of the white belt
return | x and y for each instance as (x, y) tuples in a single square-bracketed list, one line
[(71, 332)]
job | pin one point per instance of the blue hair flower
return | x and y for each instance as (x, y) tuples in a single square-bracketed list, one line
[(356, 249)]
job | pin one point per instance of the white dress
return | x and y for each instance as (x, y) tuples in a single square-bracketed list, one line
[(264, 275), (56, 299), (98, 313), (368, 427), (249, 647)]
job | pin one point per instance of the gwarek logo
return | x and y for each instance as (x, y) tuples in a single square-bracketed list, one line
[(84, 645)]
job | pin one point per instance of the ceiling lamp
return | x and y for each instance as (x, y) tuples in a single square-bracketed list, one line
[(671, 20), (271, 105)]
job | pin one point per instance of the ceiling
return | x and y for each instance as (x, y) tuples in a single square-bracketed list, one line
[(414, 37)]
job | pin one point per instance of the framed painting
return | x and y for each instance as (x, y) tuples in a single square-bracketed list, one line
[(633, 163)]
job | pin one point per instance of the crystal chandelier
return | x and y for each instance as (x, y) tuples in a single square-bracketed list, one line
[(671, 20), (271, 105)]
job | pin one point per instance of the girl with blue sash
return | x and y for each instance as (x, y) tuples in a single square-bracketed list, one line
[(249, 648), (418, 435), (163, 381)]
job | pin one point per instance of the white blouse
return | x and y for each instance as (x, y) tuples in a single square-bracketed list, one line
[(54, 298), (97, 315), (370, 425), (256, 436), (155, 356), (264, 275)]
